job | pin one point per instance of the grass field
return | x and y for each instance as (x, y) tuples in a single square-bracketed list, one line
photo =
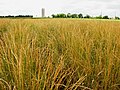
[(59, 54)]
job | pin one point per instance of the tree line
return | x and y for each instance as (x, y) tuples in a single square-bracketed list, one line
[(69, 15), (18, 16)]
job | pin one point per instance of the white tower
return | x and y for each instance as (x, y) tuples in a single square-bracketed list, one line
[(43, 12)]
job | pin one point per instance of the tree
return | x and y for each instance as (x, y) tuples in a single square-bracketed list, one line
[(80, 15), (117, 17), (74, 16), (58, 15), (62, 15), (2, 16), (98, 17), (9, 16), (69, 15), (54, 16), (105, 17), (87, 16)]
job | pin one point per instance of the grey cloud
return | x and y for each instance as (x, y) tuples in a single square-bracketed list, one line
[(1, 3), (92, 7), (114, 6)]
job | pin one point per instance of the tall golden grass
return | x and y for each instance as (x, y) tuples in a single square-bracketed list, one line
[(59, 54)]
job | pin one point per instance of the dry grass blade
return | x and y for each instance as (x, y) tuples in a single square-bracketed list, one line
[(6, 83), (59, 54)]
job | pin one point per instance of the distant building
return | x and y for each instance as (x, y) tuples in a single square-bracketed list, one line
[(43, 12)]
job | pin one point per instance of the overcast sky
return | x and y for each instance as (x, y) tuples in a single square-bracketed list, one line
[(33, 7)]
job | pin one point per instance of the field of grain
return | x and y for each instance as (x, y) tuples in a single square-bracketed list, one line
[(59, 54)]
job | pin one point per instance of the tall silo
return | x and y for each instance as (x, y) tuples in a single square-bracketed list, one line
[(43, 12)]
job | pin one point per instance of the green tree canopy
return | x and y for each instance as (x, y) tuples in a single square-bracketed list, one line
[(80, 15), (74, 16), (69, 15), (87, 16), (105, 17)]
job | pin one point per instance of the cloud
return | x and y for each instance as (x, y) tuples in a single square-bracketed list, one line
[(92, 7), (113, 6)]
